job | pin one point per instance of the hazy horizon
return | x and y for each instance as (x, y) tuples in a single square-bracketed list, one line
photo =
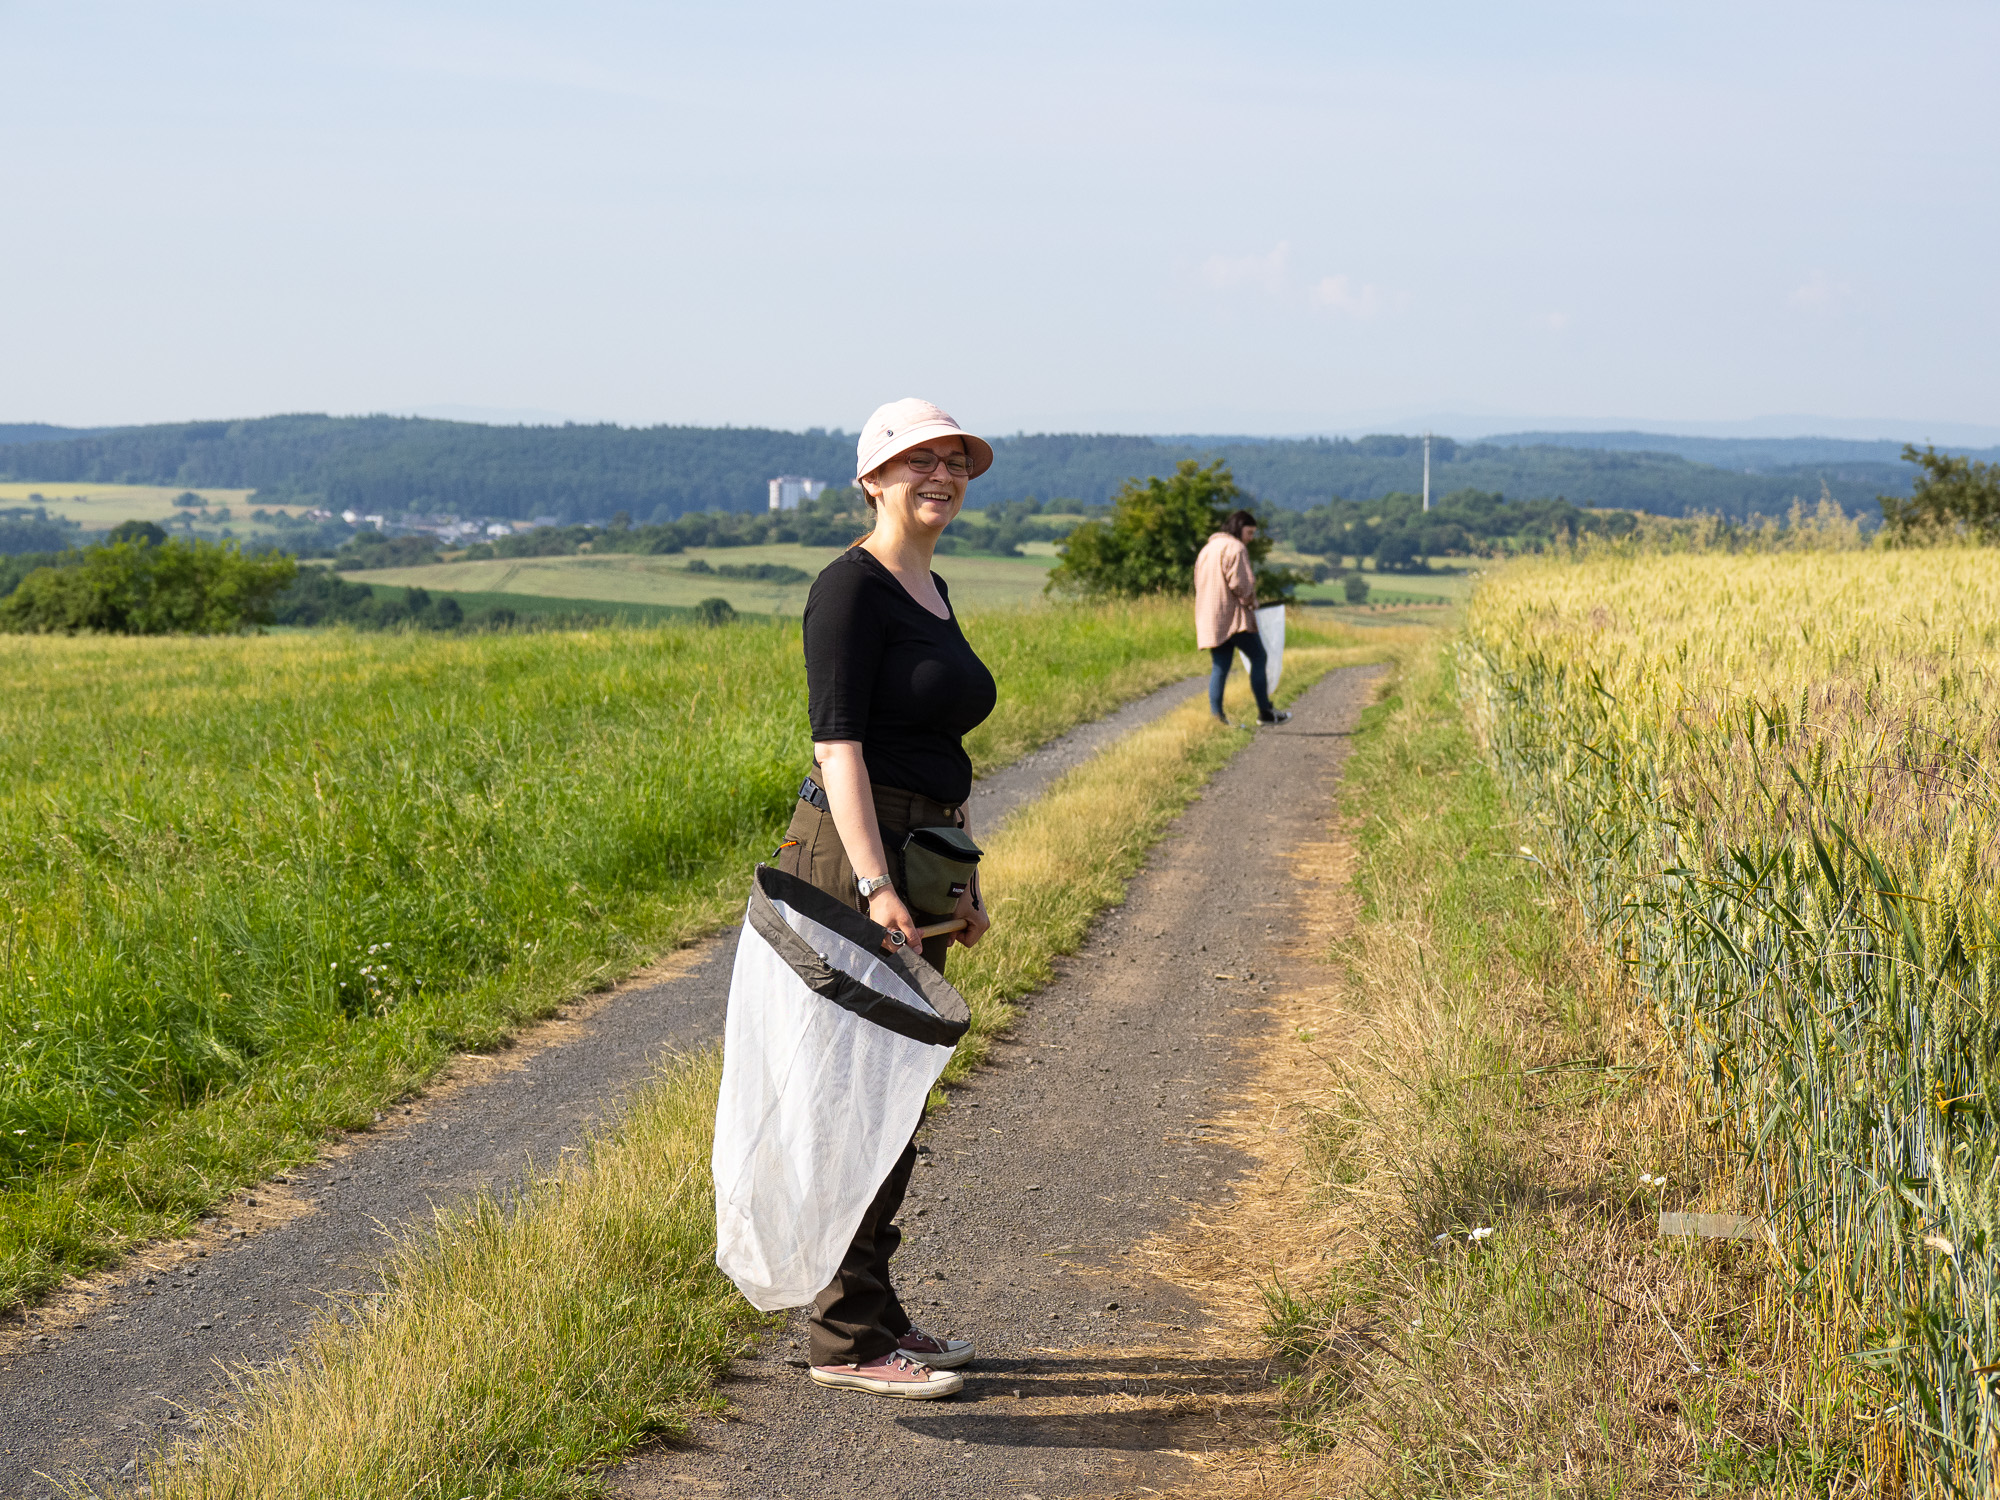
[(1283, 219)]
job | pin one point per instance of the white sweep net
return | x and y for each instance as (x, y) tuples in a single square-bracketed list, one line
[(1271, 626), (829, 1051)]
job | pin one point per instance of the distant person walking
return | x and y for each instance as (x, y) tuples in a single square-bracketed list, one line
[(1225, 613), (892, 689)]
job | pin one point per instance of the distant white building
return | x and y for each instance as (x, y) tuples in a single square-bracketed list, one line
[(788, 491)]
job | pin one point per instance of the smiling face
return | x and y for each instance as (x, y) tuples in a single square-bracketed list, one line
[(925, 502)]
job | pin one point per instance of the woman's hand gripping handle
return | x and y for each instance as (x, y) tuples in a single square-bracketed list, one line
[(886, 909)]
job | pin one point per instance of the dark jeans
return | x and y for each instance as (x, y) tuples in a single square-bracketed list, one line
[(1251, 645)]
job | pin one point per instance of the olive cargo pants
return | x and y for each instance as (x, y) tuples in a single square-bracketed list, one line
[(858, 1317)]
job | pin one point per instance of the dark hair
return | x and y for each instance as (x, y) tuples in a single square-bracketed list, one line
[(1236, 520)]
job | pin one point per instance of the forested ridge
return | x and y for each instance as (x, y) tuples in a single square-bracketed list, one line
[(573, 473)]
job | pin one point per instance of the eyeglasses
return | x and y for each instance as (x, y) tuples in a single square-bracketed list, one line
[(923, 461)]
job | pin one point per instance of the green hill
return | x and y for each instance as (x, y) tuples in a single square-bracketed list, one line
[(397, 465)]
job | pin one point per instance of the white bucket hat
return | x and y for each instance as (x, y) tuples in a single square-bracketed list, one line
[(898, 426)]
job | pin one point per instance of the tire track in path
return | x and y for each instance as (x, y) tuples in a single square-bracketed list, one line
[(117, 1364), (1083, 1138)]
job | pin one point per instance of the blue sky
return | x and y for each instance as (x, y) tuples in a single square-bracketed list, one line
[(1168, 218)]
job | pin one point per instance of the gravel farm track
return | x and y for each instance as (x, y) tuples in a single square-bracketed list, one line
[(1083, 1137)]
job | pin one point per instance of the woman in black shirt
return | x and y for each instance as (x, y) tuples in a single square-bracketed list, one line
[(893, 687)]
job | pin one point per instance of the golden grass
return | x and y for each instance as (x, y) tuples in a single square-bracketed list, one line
[(1769, 781), (514, 1351), (1397, 1100)]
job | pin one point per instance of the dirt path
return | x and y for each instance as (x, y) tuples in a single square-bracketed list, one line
[(1045, 1185), (106, 1369)]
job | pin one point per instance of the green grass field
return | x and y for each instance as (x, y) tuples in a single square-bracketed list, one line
[(1441, 587), (99, 507), (977, 582), (253, 889)]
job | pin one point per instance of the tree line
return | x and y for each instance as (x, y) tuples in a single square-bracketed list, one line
[(407, 465), (139, 580)]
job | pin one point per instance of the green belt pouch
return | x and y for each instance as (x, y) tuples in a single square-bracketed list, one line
[(938, 864)]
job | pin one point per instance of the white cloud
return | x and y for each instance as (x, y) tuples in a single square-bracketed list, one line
[(1821, 289), (1270, 271), (1340, 294), (1557, 321)]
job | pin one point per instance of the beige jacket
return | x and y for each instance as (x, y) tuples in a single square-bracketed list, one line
[(1225, 591)]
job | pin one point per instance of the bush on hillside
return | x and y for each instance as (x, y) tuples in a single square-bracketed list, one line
[(318, 597), (143, 533), (753, 572), (136, 588), (1397, 550), (1953, 497), (14, 569)]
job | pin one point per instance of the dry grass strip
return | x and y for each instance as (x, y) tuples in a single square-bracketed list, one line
[(1451, 1051)]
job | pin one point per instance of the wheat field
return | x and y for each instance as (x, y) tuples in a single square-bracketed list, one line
[(1770, 777)]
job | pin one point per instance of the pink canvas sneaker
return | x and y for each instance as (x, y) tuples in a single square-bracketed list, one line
[(897, 1374), (938, 1353)]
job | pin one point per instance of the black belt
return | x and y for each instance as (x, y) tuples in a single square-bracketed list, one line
[(811, 792)]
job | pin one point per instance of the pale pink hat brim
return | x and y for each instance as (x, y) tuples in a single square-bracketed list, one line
[(885, 436)]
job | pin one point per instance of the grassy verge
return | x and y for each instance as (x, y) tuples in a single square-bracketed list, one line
[(512, 1352), (1497, 1134), (251, 891), (516, 1356)]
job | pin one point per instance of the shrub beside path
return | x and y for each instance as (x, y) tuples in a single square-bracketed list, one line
[(117, 1364), (1086, 1135)]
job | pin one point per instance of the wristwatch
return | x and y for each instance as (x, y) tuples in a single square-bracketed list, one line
[(868, 885)]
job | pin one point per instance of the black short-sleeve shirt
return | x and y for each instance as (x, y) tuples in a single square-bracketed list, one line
[(882, 669)]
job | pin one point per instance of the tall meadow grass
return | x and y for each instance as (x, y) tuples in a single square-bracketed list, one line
[(253, 889), (1771, 778)]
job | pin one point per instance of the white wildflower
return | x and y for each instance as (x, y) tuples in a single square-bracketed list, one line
[(1479, 1234)]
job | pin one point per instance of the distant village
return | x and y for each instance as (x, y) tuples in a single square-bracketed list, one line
[(787, 492)]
